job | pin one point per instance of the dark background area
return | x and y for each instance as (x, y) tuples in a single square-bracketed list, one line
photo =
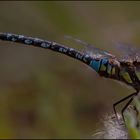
[(44, 94)]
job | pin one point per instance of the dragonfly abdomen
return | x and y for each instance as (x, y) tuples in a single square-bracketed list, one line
[(104, 67), (46, 45)]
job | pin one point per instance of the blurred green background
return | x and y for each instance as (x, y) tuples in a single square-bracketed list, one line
[(44, 94)]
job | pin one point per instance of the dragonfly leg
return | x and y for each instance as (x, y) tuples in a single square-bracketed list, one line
[(118, 102), (124, 108)]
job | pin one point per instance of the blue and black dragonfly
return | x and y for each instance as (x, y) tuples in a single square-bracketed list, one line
[(125, 69)]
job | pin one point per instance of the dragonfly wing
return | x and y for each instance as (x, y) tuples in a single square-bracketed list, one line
[(128, 52), (96, 52), (91, 50)]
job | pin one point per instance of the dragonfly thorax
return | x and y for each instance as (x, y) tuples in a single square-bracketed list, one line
[(111, 68), (129, 74)]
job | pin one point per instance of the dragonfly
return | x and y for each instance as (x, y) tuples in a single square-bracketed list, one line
[(125, 69)]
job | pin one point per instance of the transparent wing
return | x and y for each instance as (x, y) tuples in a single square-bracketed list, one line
[(128, 52), (91, 50)]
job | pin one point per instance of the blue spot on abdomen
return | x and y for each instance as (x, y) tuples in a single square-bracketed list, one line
[(95, 64), (104, 61)]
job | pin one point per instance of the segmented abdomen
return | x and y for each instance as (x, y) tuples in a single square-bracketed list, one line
[(100, 65), (105, 68), (46, 45)]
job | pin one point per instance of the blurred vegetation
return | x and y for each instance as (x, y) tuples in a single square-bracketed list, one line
[(48, 95), (132, 117)]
